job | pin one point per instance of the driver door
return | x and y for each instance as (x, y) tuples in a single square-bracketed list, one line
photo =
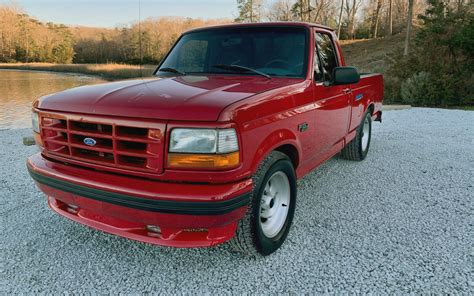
[(333, 102)]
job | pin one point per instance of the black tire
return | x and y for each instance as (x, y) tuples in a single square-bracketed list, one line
[(355, 150), (249, 238)]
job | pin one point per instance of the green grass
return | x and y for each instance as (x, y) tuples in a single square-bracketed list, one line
[(465, 108), (106, 71)]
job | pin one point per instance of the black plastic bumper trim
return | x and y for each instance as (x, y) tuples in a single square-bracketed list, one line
[(145, 204)]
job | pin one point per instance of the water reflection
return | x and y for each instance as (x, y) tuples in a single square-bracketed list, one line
[(18, 89)]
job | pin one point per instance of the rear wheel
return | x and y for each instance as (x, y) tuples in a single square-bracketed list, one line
[(270, 214), (358, 148)]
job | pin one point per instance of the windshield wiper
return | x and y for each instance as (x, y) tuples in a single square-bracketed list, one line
[(241, 69), (171, 70)]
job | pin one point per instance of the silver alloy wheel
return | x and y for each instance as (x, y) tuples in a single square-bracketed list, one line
[(366, 133), (275, 204)]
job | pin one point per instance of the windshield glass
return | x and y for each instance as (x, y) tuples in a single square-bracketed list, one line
[(275, 51)]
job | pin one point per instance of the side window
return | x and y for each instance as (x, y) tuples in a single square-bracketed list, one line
[(327, 55), (318, 71)]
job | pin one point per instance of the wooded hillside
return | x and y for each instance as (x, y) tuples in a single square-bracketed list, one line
[(25, 39)]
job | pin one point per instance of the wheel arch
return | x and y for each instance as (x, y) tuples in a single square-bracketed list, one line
[(371, 108), (376, 115), (283, 141), (292, 153)]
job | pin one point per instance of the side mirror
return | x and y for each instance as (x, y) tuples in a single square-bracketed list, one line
[(345, 75)]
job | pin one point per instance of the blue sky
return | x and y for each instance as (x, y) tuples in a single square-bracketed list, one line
[(109, 13)]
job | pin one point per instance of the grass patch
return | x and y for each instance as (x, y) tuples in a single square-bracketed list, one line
[(106, 71), (372, 55), (465, 108)]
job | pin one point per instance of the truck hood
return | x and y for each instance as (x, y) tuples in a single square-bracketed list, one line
[(194, 98)]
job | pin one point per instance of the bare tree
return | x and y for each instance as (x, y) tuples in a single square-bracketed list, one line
[(409, 24), (399, 14), (323, 10), (351, 8), (280, 10)]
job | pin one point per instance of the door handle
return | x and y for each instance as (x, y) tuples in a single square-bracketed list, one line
[(347, 90)]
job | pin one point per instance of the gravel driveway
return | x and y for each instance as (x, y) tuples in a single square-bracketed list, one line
[(401, 221)]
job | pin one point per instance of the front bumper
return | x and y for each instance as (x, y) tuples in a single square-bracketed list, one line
[(187, 215)]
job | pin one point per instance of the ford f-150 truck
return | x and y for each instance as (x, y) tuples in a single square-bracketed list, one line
[(208, 150)]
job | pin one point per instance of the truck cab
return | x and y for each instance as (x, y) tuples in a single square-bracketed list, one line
[(209, 149)]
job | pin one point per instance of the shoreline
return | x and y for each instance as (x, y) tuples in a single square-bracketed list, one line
[(105, 71), (75, 74)]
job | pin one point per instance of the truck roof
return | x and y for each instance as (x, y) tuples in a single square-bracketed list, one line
[(262, 24)]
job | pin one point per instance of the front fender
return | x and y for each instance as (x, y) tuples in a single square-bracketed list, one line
[(273, 141)]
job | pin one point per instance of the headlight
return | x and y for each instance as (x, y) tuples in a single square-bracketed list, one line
[(203, 140), (35, 122), (203, 148), (193, 141)]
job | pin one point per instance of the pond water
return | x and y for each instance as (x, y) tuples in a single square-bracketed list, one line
[(18, 90)]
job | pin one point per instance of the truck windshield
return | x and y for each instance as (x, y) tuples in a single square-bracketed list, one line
[(272, 51)]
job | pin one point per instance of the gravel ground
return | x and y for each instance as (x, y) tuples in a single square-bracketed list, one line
[(401, 221)]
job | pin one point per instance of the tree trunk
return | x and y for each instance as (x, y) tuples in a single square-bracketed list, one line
[(377, 16), (2, 48), (27, 46), (354, 8), (390, 17), (352, 26), (339, 26), (301, 11), (376, 29), (251, 11), (309, 11), (288, 13), (409, 24)]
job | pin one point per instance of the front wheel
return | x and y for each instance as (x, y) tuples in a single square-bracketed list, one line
[(270, 214), (358, 148)]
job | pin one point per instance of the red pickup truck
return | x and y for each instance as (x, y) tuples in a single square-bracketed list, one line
[(208, 150)]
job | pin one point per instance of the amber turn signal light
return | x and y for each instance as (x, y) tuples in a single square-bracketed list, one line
[(203, 161)]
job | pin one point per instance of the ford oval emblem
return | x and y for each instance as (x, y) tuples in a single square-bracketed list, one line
[(90, 141)]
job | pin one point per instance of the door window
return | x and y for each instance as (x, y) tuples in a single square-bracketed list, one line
[(318, 69), (327, 55)]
